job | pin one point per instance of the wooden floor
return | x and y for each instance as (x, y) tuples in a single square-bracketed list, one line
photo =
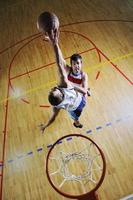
[(102, 31)]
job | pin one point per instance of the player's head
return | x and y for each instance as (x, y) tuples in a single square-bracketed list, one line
[(55, 96), (76, 63)]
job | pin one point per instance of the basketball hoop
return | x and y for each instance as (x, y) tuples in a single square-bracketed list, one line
[(75, 167)]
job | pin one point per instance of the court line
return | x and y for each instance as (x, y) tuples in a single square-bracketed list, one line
[(118, 58), (104, 63), (42, 67), (24, 100), (4, 138), (109, 124), (5, 125), (27, 92), (79, 34), (45, 106), (115, 66), (98, 128), (70, 24), (30, 91), (54, 82), (19, 42), (90, 131), (97, 76), (6, 120)]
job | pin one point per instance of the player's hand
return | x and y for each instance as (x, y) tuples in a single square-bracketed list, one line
[(46, 37), (51, 36), (42, 127), (54, 36)]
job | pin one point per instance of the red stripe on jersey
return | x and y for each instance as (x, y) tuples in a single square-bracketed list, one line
[(74, 80)]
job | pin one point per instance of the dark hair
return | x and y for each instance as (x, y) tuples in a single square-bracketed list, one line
[(54, 100), (75, 57)]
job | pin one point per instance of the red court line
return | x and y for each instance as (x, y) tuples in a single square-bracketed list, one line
[(20, 50), (98, 51), (6, 120), (16, 55), (39, 68), (19, 42), (115, 66), (32, 70), (70, 24), (7, 103), (99, 20), (94, 48), (25, 101), (97, 76), (4, 139), (86, 39), (44, 106), (6, 114)]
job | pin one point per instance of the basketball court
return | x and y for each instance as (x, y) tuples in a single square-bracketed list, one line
[(102, 33)]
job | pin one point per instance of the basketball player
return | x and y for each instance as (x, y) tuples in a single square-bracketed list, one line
[(65, 96), (75, 75), (48, 24)]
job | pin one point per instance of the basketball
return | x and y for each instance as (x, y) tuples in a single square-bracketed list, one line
[(47, 21)]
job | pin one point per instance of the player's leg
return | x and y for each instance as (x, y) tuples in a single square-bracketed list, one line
[(76, 113), (75, 117)]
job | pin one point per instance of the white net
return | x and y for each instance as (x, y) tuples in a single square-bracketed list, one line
[(75, 165)]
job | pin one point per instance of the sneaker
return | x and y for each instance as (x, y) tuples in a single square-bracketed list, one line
[(78, 126), (88, 92)]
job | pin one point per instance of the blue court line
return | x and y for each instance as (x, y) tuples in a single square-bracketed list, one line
[(49, 145), (30, 153), (39, 149), (68, 139), (118, 120), (98, 128), (89, 131), (59, 142), (19, 157), (109, 124), (10, 161)]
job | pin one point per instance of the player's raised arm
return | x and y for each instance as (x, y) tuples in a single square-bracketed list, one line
[(66, 67), (48, 24), (60, 64)]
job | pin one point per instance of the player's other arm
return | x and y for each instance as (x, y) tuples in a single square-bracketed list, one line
[(51, 119), (84, 88)]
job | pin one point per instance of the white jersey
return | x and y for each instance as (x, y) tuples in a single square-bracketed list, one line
[(72, 99)]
